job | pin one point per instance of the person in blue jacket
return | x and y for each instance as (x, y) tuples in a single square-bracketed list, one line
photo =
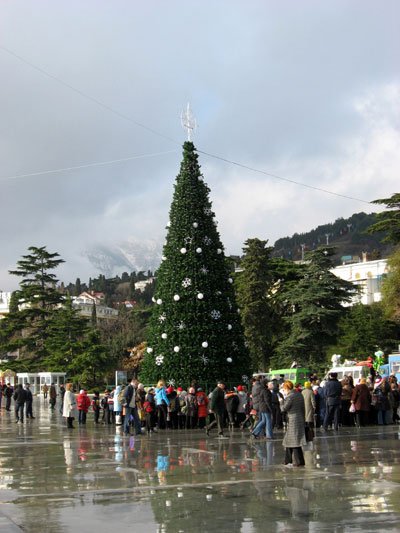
[(162, 403)]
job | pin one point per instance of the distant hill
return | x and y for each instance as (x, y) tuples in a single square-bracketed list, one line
[(348, 236)]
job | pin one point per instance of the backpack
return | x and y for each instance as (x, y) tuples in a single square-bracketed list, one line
[(121, 396), (147, 407)]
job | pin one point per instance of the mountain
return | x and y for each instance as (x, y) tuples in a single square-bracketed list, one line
[(126, 256), (349, 236)]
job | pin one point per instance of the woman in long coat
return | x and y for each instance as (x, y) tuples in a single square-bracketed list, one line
[(361, 399), (69, 407), (309, 403), (295, 436)]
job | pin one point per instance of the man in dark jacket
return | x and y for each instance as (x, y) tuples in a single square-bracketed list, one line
[(8, 393), (20, 399), (332, 393), (29, 402), (217, 406), (265, 412)]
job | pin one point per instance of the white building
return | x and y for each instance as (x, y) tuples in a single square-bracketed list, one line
[(84, 303), (5, 298), (367, 275)]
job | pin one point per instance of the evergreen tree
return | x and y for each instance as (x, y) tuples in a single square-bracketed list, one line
[(195, 331), (78, 287), (66, 338), (391, 288), (253, 287), (314, 306), (388, 221), (92, 362), (27, 326), (93, 318), (364, 329)]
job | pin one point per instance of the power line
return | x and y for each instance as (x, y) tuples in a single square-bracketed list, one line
[(241, 165), (87, 96), (87, 165), (155, 132)]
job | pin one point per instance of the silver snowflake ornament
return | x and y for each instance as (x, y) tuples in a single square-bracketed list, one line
[(186, 283), (207, 240), (171, 383), (245, 378), (188, 240), (162, 317), (181, 326), (207, 211), (204, 359), (159, 360), (215, 314), (204, 270)]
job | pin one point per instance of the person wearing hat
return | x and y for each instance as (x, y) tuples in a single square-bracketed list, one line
[(83, 402), (28, 402), (217, 406), (333, 394)]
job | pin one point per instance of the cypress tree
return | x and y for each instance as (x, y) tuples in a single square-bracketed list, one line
[(194, 331)]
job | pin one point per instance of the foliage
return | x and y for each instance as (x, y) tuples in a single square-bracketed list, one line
[(92, 362), (253, 287), (195, 329), (314, 306), (388, 221), (26, 326), (391, 288), (362, 330)]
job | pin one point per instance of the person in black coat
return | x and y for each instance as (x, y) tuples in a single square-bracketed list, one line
[(20, 399), (28, 402), (217, 406), (332, 393)]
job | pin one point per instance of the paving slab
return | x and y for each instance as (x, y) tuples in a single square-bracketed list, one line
[(94, 479)]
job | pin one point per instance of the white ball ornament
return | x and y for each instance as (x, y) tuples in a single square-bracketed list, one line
[(204, 344), (195, 225), (183, 250), (229, 359), (199, 250), (153, 299), (164, 336), (229, 326), (219, 251), (230, 280), (200, 296), (164, 258), (177, 297), (159, 301), (176, 349), (149, 350)]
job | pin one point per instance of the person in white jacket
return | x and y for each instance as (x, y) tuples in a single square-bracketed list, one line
[(69, 407)]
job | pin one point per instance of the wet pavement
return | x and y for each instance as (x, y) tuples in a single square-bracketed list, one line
[(94, 479)]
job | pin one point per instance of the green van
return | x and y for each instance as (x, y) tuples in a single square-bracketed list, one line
[(296, 375)]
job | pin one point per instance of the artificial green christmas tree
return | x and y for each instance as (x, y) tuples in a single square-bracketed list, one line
[(195, 331)]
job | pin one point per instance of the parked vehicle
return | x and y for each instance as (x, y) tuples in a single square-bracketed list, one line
[(296, 375)]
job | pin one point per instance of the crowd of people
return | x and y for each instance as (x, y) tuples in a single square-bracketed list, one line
[(262, 407)]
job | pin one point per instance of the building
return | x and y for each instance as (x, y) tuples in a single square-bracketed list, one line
[(368, 275), (141, 285), (85, 301), (5, 298)]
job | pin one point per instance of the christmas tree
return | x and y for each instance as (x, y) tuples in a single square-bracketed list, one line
[(195, 331)]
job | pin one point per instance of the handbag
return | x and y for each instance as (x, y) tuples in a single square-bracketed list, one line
[(309, 433), (352, 408)]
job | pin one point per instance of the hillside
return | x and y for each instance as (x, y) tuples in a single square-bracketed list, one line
[(348, 236)]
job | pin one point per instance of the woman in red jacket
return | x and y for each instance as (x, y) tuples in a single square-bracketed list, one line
[(83, 403), (202, 402)]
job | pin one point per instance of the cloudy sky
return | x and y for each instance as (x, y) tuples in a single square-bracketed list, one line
[(307, 90)]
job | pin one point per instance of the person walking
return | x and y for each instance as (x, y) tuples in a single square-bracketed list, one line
[(83, 403), (217, 406), (62, 392), (96, 406), (69, 407), (45, 390), (295, 436), (20, 399), (29, 402), (333, 394), (265, 412)]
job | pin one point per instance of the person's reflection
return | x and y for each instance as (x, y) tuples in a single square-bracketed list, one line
[(162, 468), (70, 455), (118, 450), (299, 501), (265, 452)]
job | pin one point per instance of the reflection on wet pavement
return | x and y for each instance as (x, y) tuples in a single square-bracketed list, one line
[(94, 479)]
